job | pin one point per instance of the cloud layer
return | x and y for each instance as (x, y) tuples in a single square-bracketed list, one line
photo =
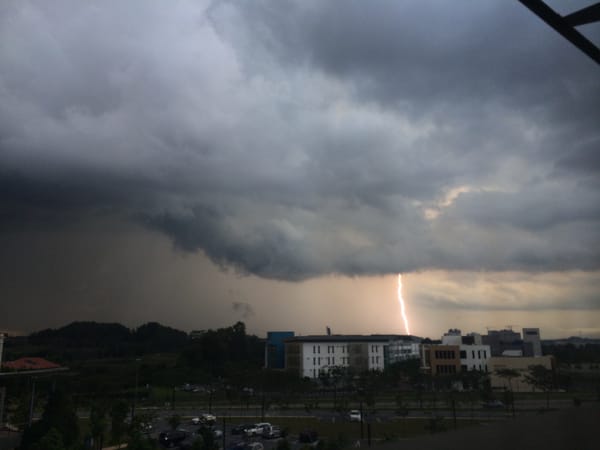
[(291, 139)]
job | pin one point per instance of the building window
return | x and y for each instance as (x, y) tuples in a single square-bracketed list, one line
[(473, 352), (333, 360), (319, 360), (314, 349), (463, 354), (314, 361), (319, 349), (478, 354), (485, 354)]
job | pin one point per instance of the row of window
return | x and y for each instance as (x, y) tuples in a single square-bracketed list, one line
[(444, 354), (463, 354), (331, 360), (444, 369), (330, 349), (374, 359), (481, 368)]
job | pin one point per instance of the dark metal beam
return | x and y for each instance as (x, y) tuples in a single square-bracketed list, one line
[(583, 16), (547, 14)]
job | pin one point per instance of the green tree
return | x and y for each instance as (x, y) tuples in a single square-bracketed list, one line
[(541, 378), (52, 440), (58, 414), (208, 439), (509, 374), (98, 425), (118, 413)]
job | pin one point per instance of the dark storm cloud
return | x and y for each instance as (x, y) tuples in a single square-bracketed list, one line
[(293, 139)]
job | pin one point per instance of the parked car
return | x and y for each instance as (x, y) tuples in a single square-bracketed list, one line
[(493, 404), (146, 427), (255, 446), (257, 429), (271, 432), (171, 439), (204, 419), (354, 415), (246, 446), (241, 429)]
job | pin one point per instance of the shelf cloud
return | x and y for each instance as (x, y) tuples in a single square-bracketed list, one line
[(293, 139)]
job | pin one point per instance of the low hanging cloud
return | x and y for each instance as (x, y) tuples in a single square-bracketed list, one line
[(243, 308), (292, 139)]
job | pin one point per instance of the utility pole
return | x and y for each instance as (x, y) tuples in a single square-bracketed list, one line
[(2, 397), (32, 401), (137, 370)]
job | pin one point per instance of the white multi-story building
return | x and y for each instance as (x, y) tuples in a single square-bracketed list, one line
[(475, 357), (472, 356), (313, 355)]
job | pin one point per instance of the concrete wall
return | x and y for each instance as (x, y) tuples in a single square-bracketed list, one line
[(521, 365)]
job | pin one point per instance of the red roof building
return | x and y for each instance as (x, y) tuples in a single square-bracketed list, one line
[(30, 364)]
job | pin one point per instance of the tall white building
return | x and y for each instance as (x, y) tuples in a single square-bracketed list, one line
[(313, 355)]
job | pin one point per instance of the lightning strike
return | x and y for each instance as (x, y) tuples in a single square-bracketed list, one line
[(402, 306)]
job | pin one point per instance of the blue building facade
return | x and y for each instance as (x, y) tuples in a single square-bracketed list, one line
[(275, 349)]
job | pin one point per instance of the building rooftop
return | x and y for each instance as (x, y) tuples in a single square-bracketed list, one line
[(30, 364), (351, 338)]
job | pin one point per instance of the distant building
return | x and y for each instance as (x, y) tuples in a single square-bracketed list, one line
[(501, 340), (452, 337), (510, 343), (275, 349), (313, 355), (531, 336)]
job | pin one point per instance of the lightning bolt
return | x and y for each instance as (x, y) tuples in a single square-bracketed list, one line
[(402, 306)]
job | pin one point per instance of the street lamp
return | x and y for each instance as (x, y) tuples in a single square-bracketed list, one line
[(137, 371)]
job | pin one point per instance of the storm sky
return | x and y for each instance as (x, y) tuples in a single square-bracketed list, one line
[(278, 162)]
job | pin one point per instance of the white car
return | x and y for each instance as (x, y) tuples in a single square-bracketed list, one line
[(257, 429), (204, 419), (354, 415)]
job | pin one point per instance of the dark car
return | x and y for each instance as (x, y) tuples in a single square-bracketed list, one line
[(171, 439), (493, 404), (241, 429), (308, 437)]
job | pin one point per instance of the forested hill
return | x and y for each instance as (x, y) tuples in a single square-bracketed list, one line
[(92, 340), (105, 335)]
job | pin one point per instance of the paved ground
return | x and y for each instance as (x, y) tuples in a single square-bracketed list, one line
[(568, 429)]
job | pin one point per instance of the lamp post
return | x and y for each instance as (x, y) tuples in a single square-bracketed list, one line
[(137, 371)]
